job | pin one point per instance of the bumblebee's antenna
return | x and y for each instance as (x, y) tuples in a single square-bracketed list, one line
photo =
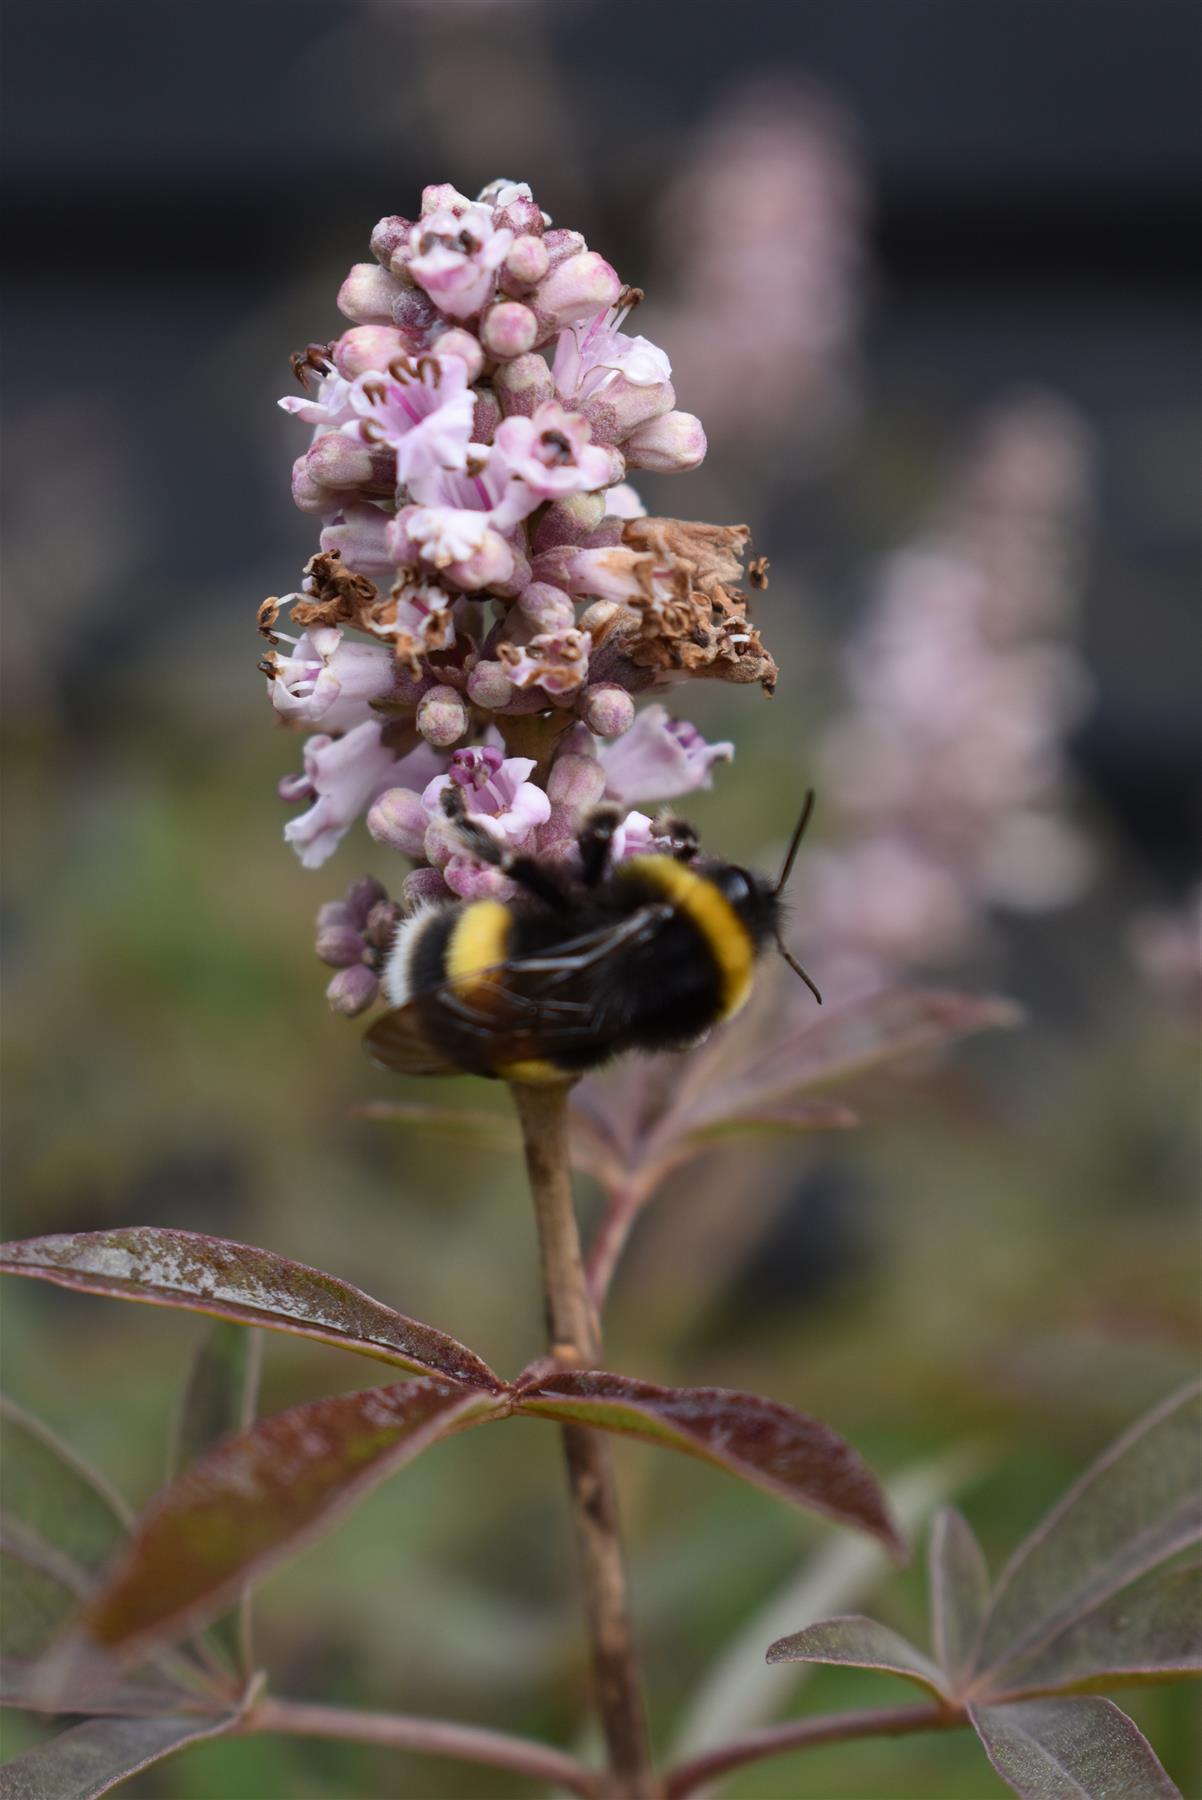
[(799, 830)]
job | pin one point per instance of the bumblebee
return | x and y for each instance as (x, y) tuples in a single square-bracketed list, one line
[(644, 955)]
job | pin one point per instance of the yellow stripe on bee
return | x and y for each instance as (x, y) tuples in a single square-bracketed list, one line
[(479, 941), (711, 913)]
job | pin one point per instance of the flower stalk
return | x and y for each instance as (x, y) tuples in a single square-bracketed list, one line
[(573, 1337)]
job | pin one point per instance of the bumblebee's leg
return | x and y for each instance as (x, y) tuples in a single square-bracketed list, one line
[(525, 870), (595, 841), (683, 837)]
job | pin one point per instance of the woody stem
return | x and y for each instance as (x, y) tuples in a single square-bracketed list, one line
[(574, 1340)]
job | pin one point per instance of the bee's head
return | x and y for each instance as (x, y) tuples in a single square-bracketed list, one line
[(754, 899)]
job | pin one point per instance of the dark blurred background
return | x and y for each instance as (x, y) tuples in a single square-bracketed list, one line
[(1000, 1269)]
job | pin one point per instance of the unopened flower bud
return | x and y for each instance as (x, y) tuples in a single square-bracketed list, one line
[(339, 945), (606, 709), (398, 820), (390, 235), (367, 295), (578, 288), (486, 416), (508, 330), (352, 990), (422, 886), (559, 245), (414, 314), (339, 461), (308, 494), (366, 347), (463, 344), (669, 444), (381, 924), (362, 896), (523, 217), (569, 521), (547, 608), (439, 194), (442, 717), (489, 686), (523, 385), (576, 781), (335, 914), (526, 263)]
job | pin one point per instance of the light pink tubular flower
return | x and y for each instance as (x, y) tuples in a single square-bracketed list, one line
[(660, 758), (329, 680), (551, 453), (328, 407), (423, 410), (342, 777), (496, 791), (455, 253)]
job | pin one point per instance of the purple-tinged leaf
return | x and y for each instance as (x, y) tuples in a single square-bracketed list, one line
[(259, 1497), (92, 1758), (862, 1644), (220, 1392), (1151, 1631), (251, 1287), (35, 1602), (50, 1497), (1078, 1749), (219, 1398), (959, 1593), (759, 1440), (146, 1694), (1139, 1504), (854, 1040)]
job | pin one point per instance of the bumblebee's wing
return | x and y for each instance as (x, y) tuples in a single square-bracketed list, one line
[(508, 1025)]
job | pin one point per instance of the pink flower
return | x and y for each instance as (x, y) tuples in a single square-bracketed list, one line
[(328, 407), (634, 837), (422, 409), (359, 533), (622, 502), (496, 790), (619, 382), (342, 777), (660, 758), (328, 681), (454, 254), (551, 453)]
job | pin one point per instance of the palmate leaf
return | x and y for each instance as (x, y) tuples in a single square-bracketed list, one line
[(252, 1287), (254, 1499), (959, 1589), (1073, 1749), (862, 1644), (1085, 1603), (92, 1758), (1139, 1504), (1151, 1631), (763, 1442)]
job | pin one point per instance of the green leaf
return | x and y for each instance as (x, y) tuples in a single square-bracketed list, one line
[(218, 1400), (257, 1498), (1139, 1504), (862, 1644), (92, 1758), (252, 1287), (761, 1441), (959, 1593), (1079, 1749), (50, 1497), (1151, 1631)]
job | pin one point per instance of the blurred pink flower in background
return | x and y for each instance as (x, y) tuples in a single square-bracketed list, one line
[(761, 239), (946, 773)]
